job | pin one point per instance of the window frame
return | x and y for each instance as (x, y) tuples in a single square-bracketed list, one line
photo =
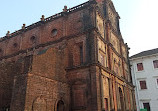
[(54, 32), (102, 58), (138, 68), (154, 64), (140, 87), (148, 104), (156, 81)]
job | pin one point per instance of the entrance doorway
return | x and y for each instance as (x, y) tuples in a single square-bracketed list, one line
[(121, 100), (106, 104), (60, 106), (146, 106)]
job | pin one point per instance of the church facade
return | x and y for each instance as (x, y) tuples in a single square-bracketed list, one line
[(75, 60)]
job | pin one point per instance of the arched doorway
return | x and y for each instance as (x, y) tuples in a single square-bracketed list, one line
[(121, 100), (60, 106)]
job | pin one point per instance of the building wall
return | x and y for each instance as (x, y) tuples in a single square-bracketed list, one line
[(76, 59), (113, 55), (150, 74)]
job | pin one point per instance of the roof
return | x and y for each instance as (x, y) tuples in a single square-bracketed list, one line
[(145, 53)]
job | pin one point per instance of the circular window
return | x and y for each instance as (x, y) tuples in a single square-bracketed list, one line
[(54, 32), (33, 39), (15, 44)]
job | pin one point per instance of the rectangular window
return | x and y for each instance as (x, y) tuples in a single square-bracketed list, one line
[(155, 62), (140, 66), (146, 106), (116, 70), (143, 84), (102, 60), (157, 82)]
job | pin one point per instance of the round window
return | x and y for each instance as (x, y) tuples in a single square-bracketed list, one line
[(15, 44), (33, 39), (54, 32)]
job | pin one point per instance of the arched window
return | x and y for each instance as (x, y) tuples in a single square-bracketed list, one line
[(54, 32), (33, 39), (60, 106), (121, 100), (15, 45)]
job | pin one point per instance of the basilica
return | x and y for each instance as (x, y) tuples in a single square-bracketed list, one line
[(75, 60)]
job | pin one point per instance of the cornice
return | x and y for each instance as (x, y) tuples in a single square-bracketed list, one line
[(114, 74), (96, 64), (46, 20), (143, 57)]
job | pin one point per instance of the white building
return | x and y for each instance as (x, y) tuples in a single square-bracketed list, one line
[(144, 69)]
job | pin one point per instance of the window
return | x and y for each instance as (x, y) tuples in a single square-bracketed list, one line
[(157, 82), (15, 45), (143, 84), (146, 106), (155, 62), (116, 69), (60, 106), (140, 67), (102, 60), (122, 103), (54, 32), (33, 39)]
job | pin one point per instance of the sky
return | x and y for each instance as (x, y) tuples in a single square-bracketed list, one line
[(138, 23)]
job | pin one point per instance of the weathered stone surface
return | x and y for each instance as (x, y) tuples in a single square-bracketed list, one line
[(72, 61)]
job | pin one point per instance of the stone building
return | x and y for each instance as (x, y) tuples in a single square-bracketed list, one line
[(75, 60), (144, 72)]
